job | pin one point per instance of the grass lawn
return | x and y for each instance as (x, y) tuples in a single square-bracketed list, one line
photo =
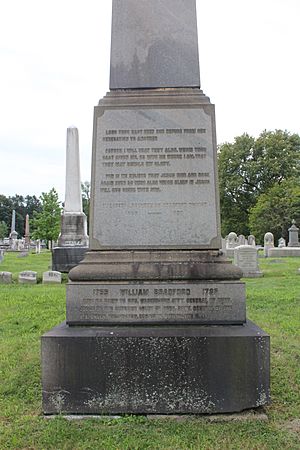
[(26, 312)]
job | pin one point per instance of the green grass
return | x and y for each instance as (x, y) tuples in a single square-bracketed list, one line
[(26, 312)]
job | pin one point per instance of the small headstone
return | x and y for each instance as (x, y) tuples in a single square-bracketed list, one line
[(268, 243), (28, 277), (23, 255), (294, 235), (1, 255), (246, 258), (38, 246), (251, 240), (241, 240), (231, 240), (5, 277), (52, 277), (281, 243)]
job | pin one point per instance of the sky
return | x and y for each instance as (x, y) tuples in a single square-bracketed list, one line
[(54, 68)]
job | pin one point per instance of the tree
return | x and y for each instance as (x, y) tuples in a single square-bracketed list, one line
[(248, 168), (46, 223), (3, 230), (275, 210)]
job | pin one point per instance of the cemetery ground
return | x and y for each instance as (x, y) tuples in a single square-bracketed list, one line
[(273, 302)]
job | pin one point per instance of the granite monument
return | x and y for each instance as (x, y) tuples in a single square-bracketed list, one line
[(73, 239), (156, 318)]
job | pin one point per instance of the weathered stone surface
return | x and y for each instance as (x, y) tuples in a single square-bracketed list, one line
[(155, 265), (294, 235), (73, 230), (154, 182), (28, 277), (268, 243), (157, 303), (284, 252), (154, 44), (65, 258), (5, 277), (246, 258), (52, 277), (161, 370)]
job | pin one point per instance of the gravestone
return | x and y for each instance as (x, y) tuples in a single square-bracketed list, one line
[(52, 277), (251, 240), (23, 254), (13, 234), (73, 239), (231, 243), (28, 277), (281, 242), (268, 243), (1, 255), (156, 319), (5, 277), (241, 240), (38, 246), (246, 258), (294, 235)]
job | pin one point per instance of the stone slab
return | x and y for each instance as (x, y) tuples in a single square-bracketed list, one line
[(65, 258), (246, 258), (154, 44), (28, 277), (156, 303), (5, 277), (154, 180), (52, 277), (283, 252), (73, 230), (155, 370)]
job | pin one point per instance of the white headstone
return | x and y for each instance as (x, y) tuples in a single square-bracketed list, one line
[(5, 277), (246, 258), (28, 277), (231, 240), (251, 240), (52, 277), (281, 243), (268, 243)]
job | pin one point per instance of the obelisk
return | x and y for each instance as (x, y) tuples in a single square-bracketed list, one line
[(156, 317), (73, 239), (13, 234), (27, 232)]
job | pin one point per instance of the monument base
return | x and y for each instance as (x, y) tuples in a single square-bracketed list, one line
[(155, 370), (65, 258), (284, 252)]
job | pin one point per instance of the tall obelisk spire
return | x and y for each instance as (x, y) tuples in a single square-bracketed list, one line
[(73, 200), (154, 44)]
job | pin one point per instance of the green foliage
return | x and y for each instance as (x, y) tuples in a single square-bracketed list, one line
[(22, 206), (3, 230), (46, 224), (250, 167), (29, 311), (275, 210)]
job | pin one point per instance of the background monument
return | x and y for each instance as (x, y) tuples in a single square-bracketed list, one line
[(156, 319), (73, 239)]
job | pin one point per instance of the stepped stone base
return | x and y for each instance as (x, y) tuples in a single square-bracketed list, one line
[(155, 370)]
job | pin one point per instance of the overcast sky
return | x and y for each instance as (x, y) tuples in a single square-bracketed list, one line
[(54, 68)]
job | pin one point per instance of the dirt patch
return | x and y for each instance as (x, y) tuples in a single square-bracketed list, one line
[(293, 425)]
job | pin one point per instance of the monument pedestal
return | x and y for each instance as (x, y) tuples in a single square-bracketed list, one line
[(73, 242), (156, 320), (155, 370)]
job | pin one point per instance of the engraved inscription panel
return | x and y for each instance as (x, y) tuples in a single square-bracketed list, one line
[(154, 181), (150, 302)]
